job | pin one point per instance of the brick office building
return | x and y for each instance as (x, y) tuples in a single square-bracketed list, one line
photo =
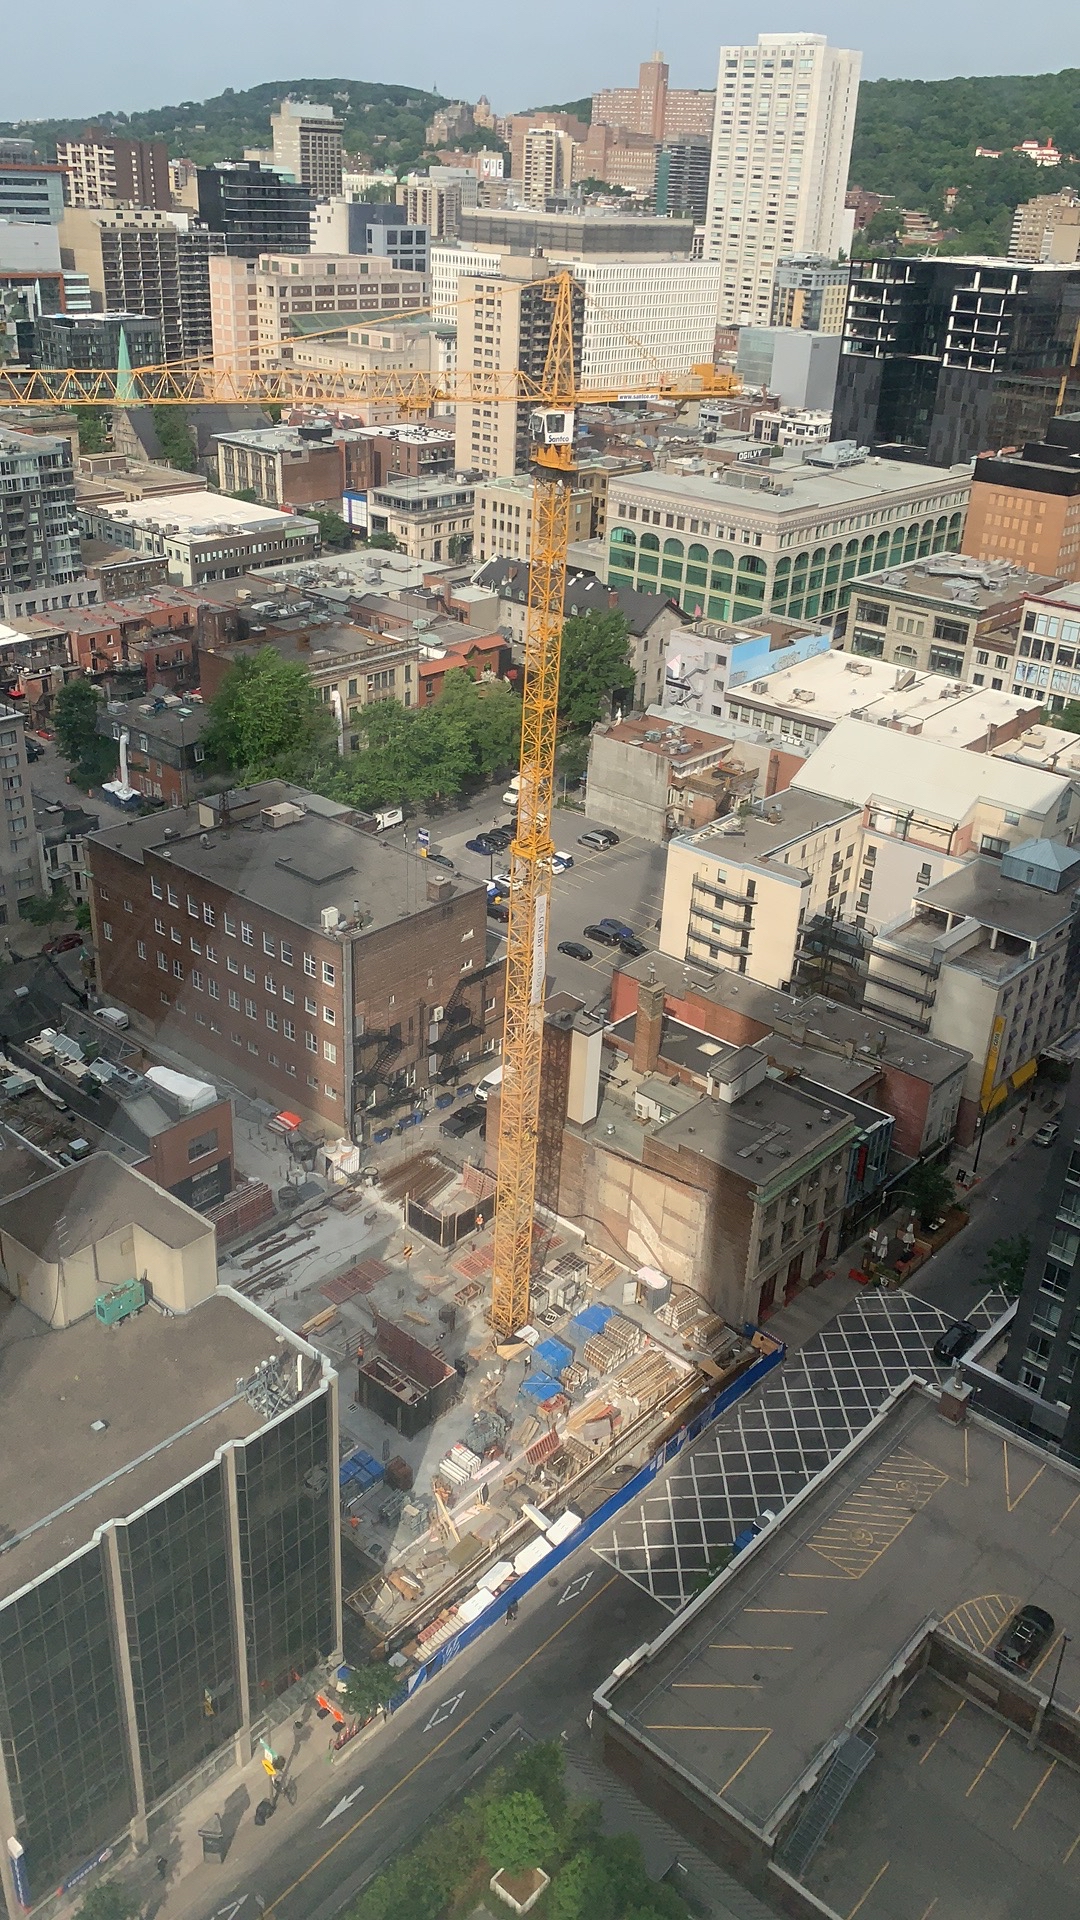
[(270, 938)]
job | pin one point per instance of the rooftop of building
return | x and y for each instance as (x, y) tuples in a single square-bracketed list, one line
[(796, 486), (1066, 595), (285, 439), (418, 491), (671, 742), (295, 871), (318, 642), (164, 1390), (160, 713), (196, 515), (958, 580), (866, 761), (785, 817), (907, 1528), (808, 1020), (81, 1204), (584, 591), (1053, 749), (761, 1135), (833, 686), (729, 633), (980, 891)]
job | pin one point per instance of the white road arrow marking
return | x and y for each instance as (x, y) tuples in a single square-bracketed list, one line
[(345, 1801), (575, 1587), (445, 1711)]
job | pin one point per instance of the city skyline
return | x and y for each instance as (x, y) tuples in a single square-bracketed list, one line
[(90, 71)]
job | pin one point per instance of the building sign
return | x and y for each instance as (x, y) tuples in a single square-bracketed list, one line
[(19, 1873)]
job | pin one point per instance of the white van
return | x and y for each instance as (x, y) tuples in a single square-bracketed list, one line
[(510, 797), (112, 1016), (489, 1084)]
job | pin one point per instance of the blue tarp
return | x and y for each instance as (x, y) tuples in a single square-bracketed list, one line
[(554, 1356), (541, 1387), (359, 1469), (592, 1319)]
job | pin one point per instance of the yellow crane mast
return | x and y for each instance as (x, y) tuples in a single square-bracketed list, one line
[(554, 399)]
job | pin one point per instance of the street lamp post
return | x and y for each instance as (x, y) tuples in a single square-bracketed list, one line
[(1065, 1640)]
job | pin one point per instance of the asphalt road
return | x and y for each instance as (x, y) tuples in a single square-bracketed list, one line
[(311, 1861), (1006, 1203)]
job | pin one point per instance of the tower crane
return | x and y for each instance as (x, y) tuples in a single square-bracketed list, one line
[(554, 399)]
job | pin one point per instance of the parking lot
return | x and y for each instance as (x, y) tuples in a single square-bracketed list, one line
[(625, 883)]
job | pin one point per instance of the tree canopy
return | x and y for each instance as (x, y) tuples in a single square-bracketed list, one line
[(176, 436), (108, 1901), (265, 719), (595, 666), (75, 717), (519, 1833), (334, 532), (1006, 1264), (930, 1190), (424, 753)]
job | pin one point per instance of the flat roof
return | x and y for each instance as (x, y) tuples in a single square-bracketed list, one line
[(201, 513), (981, 891), (1063, 596), (862, 761), (788, 816), (292, 871), (918, 1519), (70, 1210), (166, 1389), (761, 1135), (831, 686), (825, 1026), (805, 488), (1054, 749), (969, 585)]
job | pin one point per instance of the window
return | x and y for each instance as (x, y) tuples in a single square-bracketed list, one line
[(230, 926), (251, 1009), (329, 1016), (286, 953), (178, 969), (288, 995), (234, 1000), (211, 954), (159, 927), (309, 965), (269, 945), (271, 1019), (192, 907), (172, 896), (203, 1144), (196, 979), (155, 888), (232, 966), (176, 937), (329, 973), (128, 908), (269, 983), (311, 1043), (140, 948), (330, 1052), (249, 974), (246, 933), (208, 916), (106, 928), (288, 1028), (309, 1004)]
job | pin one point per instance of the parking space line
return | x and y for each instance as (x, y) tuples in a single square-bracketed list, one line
[(940, 1735), (1072, 1850), (717, 1686), (987, 1763), (1023, 1814), (930, 1908), (1010, 1503), (815, 1610), (863, 1898), (748, 1646), (765, 1735), (1065, 1515)]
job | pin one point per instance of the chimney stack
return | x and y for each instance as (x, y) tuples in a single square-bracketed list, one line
[(649, 1025)]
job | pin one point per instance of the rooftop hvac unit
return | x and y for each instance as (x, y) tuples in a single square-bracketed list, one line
[(760, 686), (331, 919)]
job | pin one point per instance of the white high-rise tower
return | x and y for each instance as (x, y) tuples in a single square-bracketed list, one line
[(785, 114)]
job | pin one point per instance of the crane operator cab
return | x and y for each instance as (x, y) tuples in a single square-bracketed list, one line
[(552, 427)]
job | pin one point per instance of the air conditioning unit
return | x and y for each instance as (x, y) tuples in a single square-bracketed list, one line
[(438, 1013)]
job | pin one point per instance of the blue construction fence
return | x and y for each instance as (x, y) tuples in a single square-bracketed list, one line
[(726, 1398)]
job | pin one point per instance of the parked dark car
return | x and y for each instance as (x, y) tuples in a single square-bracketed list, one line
[(498, 910), (485, 844), (602, 935), (1020, 1643), (954, 1342), (599, 838), (34, 750), (633, 948), (575, 949), (63, 943), (618, 927), (465, 1120), (500, 838), (441, 860)]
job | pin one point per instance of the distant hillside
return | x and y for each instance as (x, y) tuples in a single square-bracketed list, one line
[(915, 138), (382, 123)]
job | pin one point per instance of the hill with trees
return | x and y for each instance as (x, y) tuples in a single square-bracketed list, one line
[(916, 138), (383, 124)]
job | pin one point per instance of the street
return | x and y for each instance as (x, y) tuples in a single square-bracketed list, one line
[(1006, 1203)]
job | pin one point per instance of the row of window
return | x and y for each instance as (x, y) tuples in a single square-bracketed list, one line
[(273, 949)]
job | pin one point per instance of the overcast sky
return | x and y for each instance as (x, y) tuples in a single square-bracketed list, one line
[(73, 58)]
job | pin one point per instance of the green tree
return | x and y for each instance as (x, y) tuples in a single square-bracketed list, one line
[(1005, 1265), (595, 666), (370, 1687), (75, 716), (334, 532), (540, 1770), (459, 546), (265, 718), (519, 1833), (175, 437), (1068, 718), (572, 757), (389, 542), (41, 909), (93, 437), (930, 1191), (108, 1901)]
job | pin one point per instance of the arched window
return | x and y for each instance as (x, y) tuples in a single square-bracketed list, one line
[(623, 537), (722, 564), (649, 554), (926, 537), (697, 561), (672, 568)]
